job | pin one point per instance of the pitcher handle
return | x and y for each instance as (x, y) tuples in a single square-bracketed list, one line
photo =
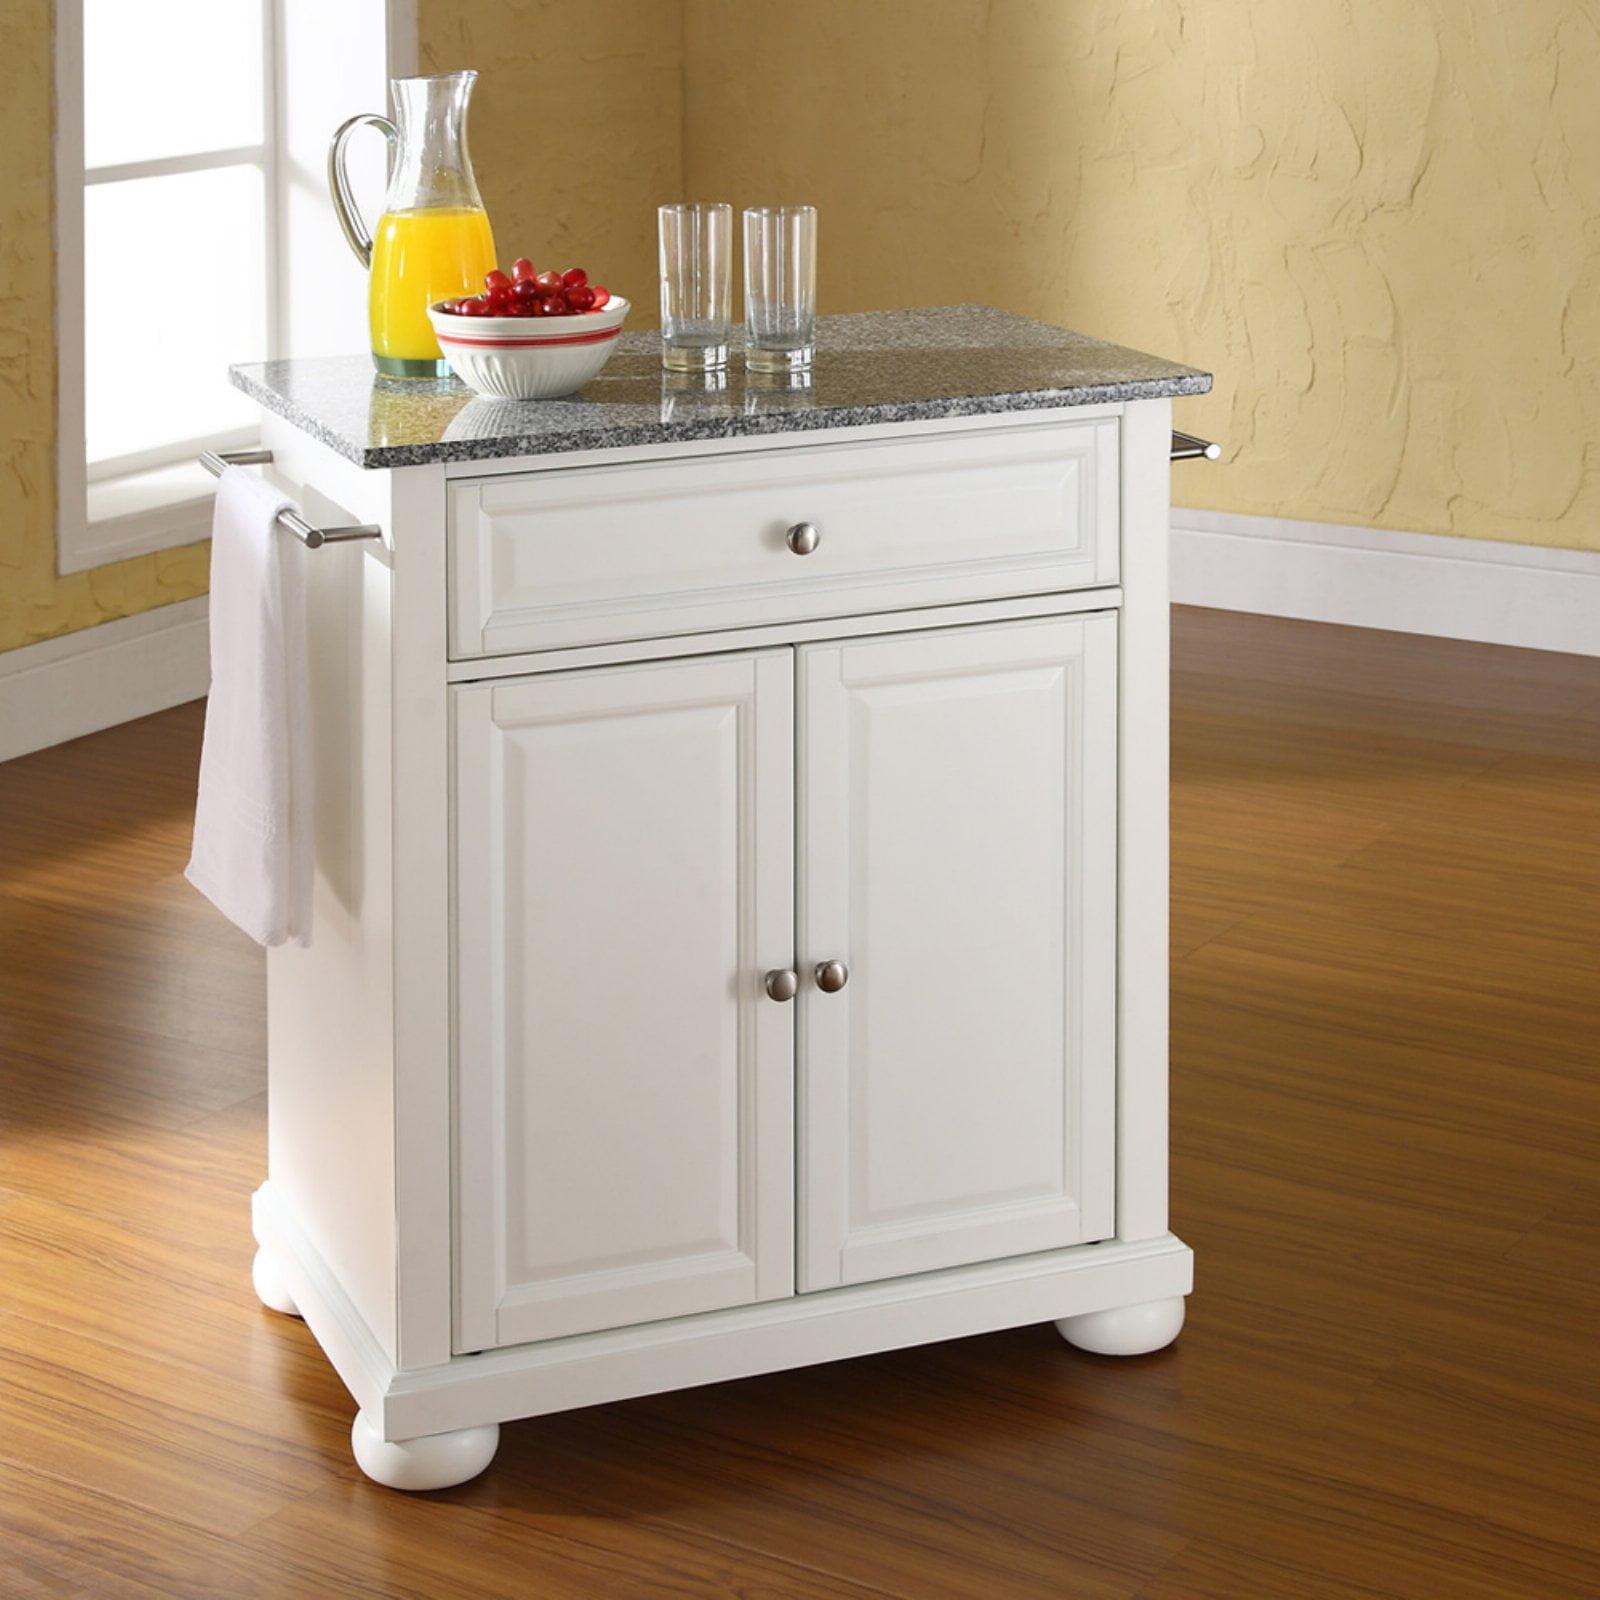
[(356, 233)]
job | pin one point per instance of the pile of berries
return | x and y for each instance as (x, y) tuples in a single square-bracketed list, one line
[(531, 293)]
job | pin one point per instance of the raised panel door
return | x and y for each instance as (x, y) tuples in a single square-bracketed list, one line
[(957, 854), (624, 848)]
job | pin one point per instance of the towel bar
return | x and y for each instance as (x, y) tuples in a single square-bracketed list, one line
[(1186, 447), (215, 461)]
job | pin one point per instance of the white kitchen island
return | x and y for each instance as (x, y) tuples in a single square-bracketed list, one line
[(740, 925)]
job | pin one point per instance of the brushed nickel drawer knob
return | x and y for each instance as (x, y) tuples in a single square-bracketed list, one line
[(803, 538), (783, 983), (832, 976)]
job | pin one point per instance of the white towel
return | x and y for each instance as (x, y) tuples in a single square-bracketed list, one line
[(252, 853)]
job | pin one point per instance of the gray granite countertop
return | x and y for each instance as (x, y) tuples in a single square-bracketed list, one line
[(870, 367)]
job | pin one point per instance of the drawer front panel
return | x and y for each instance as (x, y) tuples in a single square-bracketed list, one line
[(560, 558)]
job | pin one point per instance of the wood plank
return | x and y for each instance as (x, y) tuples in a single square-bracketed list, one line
[(1386, 1128), (62, 1541), (886, 1477), (484, 1544), (158, 1435)]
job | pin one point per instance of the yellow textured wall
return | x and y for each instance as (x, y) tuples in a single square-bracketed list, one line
[(577, 127), (34, 603), (1377, 221)]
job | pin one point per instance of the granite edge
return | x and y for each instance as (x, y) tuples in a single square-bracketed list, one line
[(271, 400), (507, 446)]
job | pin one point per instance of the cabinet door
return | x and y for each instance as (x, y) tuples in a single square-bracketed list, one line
[(625, 876), (958, 854)]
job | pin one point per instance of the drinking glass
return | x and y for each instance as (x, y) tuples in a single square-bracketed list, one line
[(696, 285), (780, 287)]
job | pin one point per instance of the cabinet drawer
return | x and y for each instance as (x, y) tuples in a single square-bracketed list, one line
[(559, 558)]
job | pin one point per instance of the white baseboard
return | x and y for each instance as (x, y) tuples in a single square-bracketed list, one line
[(95, 678), (1497, 593)]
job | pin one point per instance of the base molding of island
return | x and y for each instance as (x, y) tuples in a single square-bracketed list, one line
[(473, 1391)]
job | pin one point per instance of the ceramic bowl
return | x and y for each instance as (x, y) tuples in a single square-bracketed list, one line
[(529, 358)]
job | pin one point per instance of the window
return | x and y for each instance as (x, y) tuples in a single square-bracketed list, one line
[(166, 238)]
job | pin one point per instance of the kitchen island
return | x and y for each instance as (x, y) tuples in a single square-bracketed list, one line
[(740, 921)]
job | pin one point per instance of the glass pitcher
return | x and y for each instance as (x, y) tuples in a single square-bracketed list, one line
[(433, 240)]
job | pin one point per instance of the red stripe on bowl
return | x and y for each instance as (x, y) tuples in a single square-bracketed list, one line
[(596, 336)]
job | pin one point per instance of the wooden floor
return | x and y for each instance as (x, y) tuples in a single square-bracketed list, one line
[(1387, 1122)]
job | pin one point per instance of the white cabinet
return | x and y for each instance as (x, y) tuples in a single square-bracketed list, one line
[(957, 853), (600, 749), (624, 1088), (626, 865)]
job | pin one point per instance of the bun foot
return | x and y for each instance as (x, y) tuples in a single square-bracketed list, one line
[(1125, 1330), (434, 1461), (271, 1290)]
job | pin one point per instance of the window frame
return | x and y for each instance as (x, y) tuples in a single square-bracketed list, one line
[(156, 499)]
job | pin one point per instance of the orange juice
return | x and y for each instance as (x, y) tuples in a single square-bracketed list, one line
[(418, 257)]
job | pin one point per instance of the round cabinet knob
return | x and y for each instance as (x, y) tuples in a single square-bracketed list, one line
[(783, 983), (832, 976), (803, 538)]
